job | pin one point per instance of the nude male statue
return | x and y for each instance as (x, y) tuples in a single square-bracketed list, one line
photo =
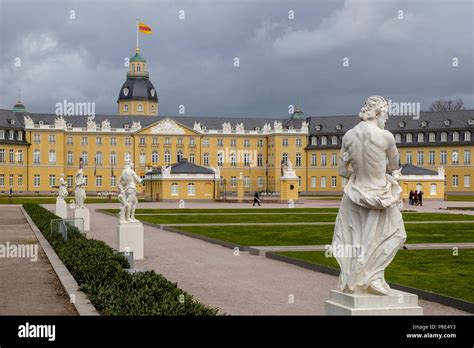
[(128, 194), (368, 218)]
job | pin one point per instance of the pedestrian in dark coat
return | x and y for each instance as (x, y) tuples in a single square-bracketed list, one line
[(256, 199), (420, 197)]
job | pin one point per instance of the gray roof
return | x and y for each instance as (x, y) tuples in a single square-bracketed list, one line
[(139, 89), (409, 169), (185, 167)]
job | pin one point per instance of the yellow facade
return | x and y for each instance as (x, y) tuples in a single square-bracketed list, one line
[(162, 190), (13, 168)]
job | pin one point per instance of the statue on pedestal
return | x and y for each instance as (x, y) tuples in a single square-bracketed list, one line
[(80, 193), (62, 191), (369, 227), (128, 193), (287, 170)]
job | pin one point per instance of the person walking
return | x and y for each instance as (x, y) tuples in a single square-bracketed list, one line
[(420, 198), (410, 197), (256, 199), (415, 197)]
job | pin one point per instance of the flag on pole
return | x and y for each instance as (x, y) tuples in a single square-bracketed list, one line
[(143, 28)]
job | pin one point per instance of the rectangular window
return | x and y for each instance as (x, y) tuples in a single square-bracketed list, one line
[(154, 141), (2, 156), (191, 189), (52, 180), (323, 160), (12, 180), (420, 158), (220, 142), (180, 141), (313, 160), (260, 142), (2, 180), (260, 181), (467, 181), (84, 141), (432, 159), (113, 141), (298, 160), (246, 181), (298, 142), (12, 155), (444, 156), (233, 181), (36, 180), (455, 180), (409, 158), (69, 181), (142, 141), (285, 142), (2, 134), (69, 140), (334, 159), (333, 181), (467, 156), (192, 141), (98, 140), (233, 142), (205, 143), (246, 142), (36, 157), (37, 138), (52, 138), (455, 157), (98, 180), (300, 182), (313, 181), (20, 136), (128, 141), (113, 181), (20, 180), (323, 181)]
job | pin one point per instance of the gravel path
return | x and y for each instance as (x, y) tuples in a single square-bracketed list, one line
[(27, 287)]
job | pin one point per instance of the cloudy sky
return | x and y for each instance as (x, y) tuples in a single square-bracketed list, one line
[(282, 59)]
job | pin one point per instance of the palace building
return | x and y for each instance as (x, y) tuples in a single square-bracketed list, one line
[(209, 157)]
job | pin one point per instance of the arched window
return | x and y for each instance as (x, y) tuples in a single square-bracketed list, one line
[(432, 189), (154, 157), (174, 189), (444, 137), (334, 140), (421, 137), (324, 140), (179, 156), (409, 138), (138, 67), (98, 158), (113, 158), (191, 189), (467, 136), (455, 136), (167, 157), (52, 157), (432, 137), (85, 158), (314, 140), (398, 138)]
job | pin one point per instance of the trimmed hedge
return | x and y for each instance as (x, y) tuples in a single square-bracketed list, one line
[(100, 272)]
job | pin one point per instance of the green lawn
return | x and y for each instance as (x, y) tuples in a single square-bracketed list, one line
[(248, 235), (432, 270), (460, 198), (255, 210)]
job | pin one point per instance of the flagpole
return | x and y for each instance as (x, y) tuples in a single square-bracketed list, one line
[(138, 47)]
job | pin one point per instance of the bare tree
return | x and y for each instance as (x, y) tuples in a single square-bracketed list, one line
[(447, 105)]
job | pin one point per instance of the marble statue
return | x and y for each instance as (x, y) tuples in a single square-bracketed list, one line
[(80, 193), (369, 220), (128, 193), (287, 170), (62, 191)]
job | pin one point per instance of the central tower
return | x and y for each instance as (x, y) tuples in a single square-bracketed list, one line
[(138, 95)]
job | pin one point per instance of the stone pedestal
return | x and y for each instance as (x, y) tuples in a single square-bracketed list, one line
[(288, 189), (397, 303), (61, 208), (240, 190), (83, 214), (130, 238)]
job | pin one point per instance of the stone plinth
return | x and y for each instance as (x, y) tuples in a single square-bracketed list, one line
[(83, 214), (240, 190), (288, 189), (61, 208), (397, 303), (130, 238)]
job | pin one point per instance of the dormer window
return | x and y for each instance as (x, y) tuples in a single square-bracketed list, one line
[(455, 136), (421, 137), (424, 123), (432, 137), (11, 135), (444, 137), (126, 126), (41, 123), (334, 140), (314, 141), (2, 134), (401, 124), (318, 127), (471, 122), (257, 128), (290, 127), (409, 138), (339, 127), (69, 125), (447, 122), (467, 136), (398, 138), (20, 136), (12, 122), (324, 140)]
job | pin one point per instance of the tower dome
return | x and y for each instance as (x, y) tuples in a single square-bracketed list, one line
[(138, 95)]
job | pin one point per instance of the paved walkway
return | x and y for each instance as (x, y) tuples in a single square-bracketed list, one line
[(27, 287), (420, 246), (238, 285)]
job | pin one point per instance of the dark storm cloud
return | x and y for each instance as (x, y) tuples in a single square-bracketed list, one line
[(191, 60)]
